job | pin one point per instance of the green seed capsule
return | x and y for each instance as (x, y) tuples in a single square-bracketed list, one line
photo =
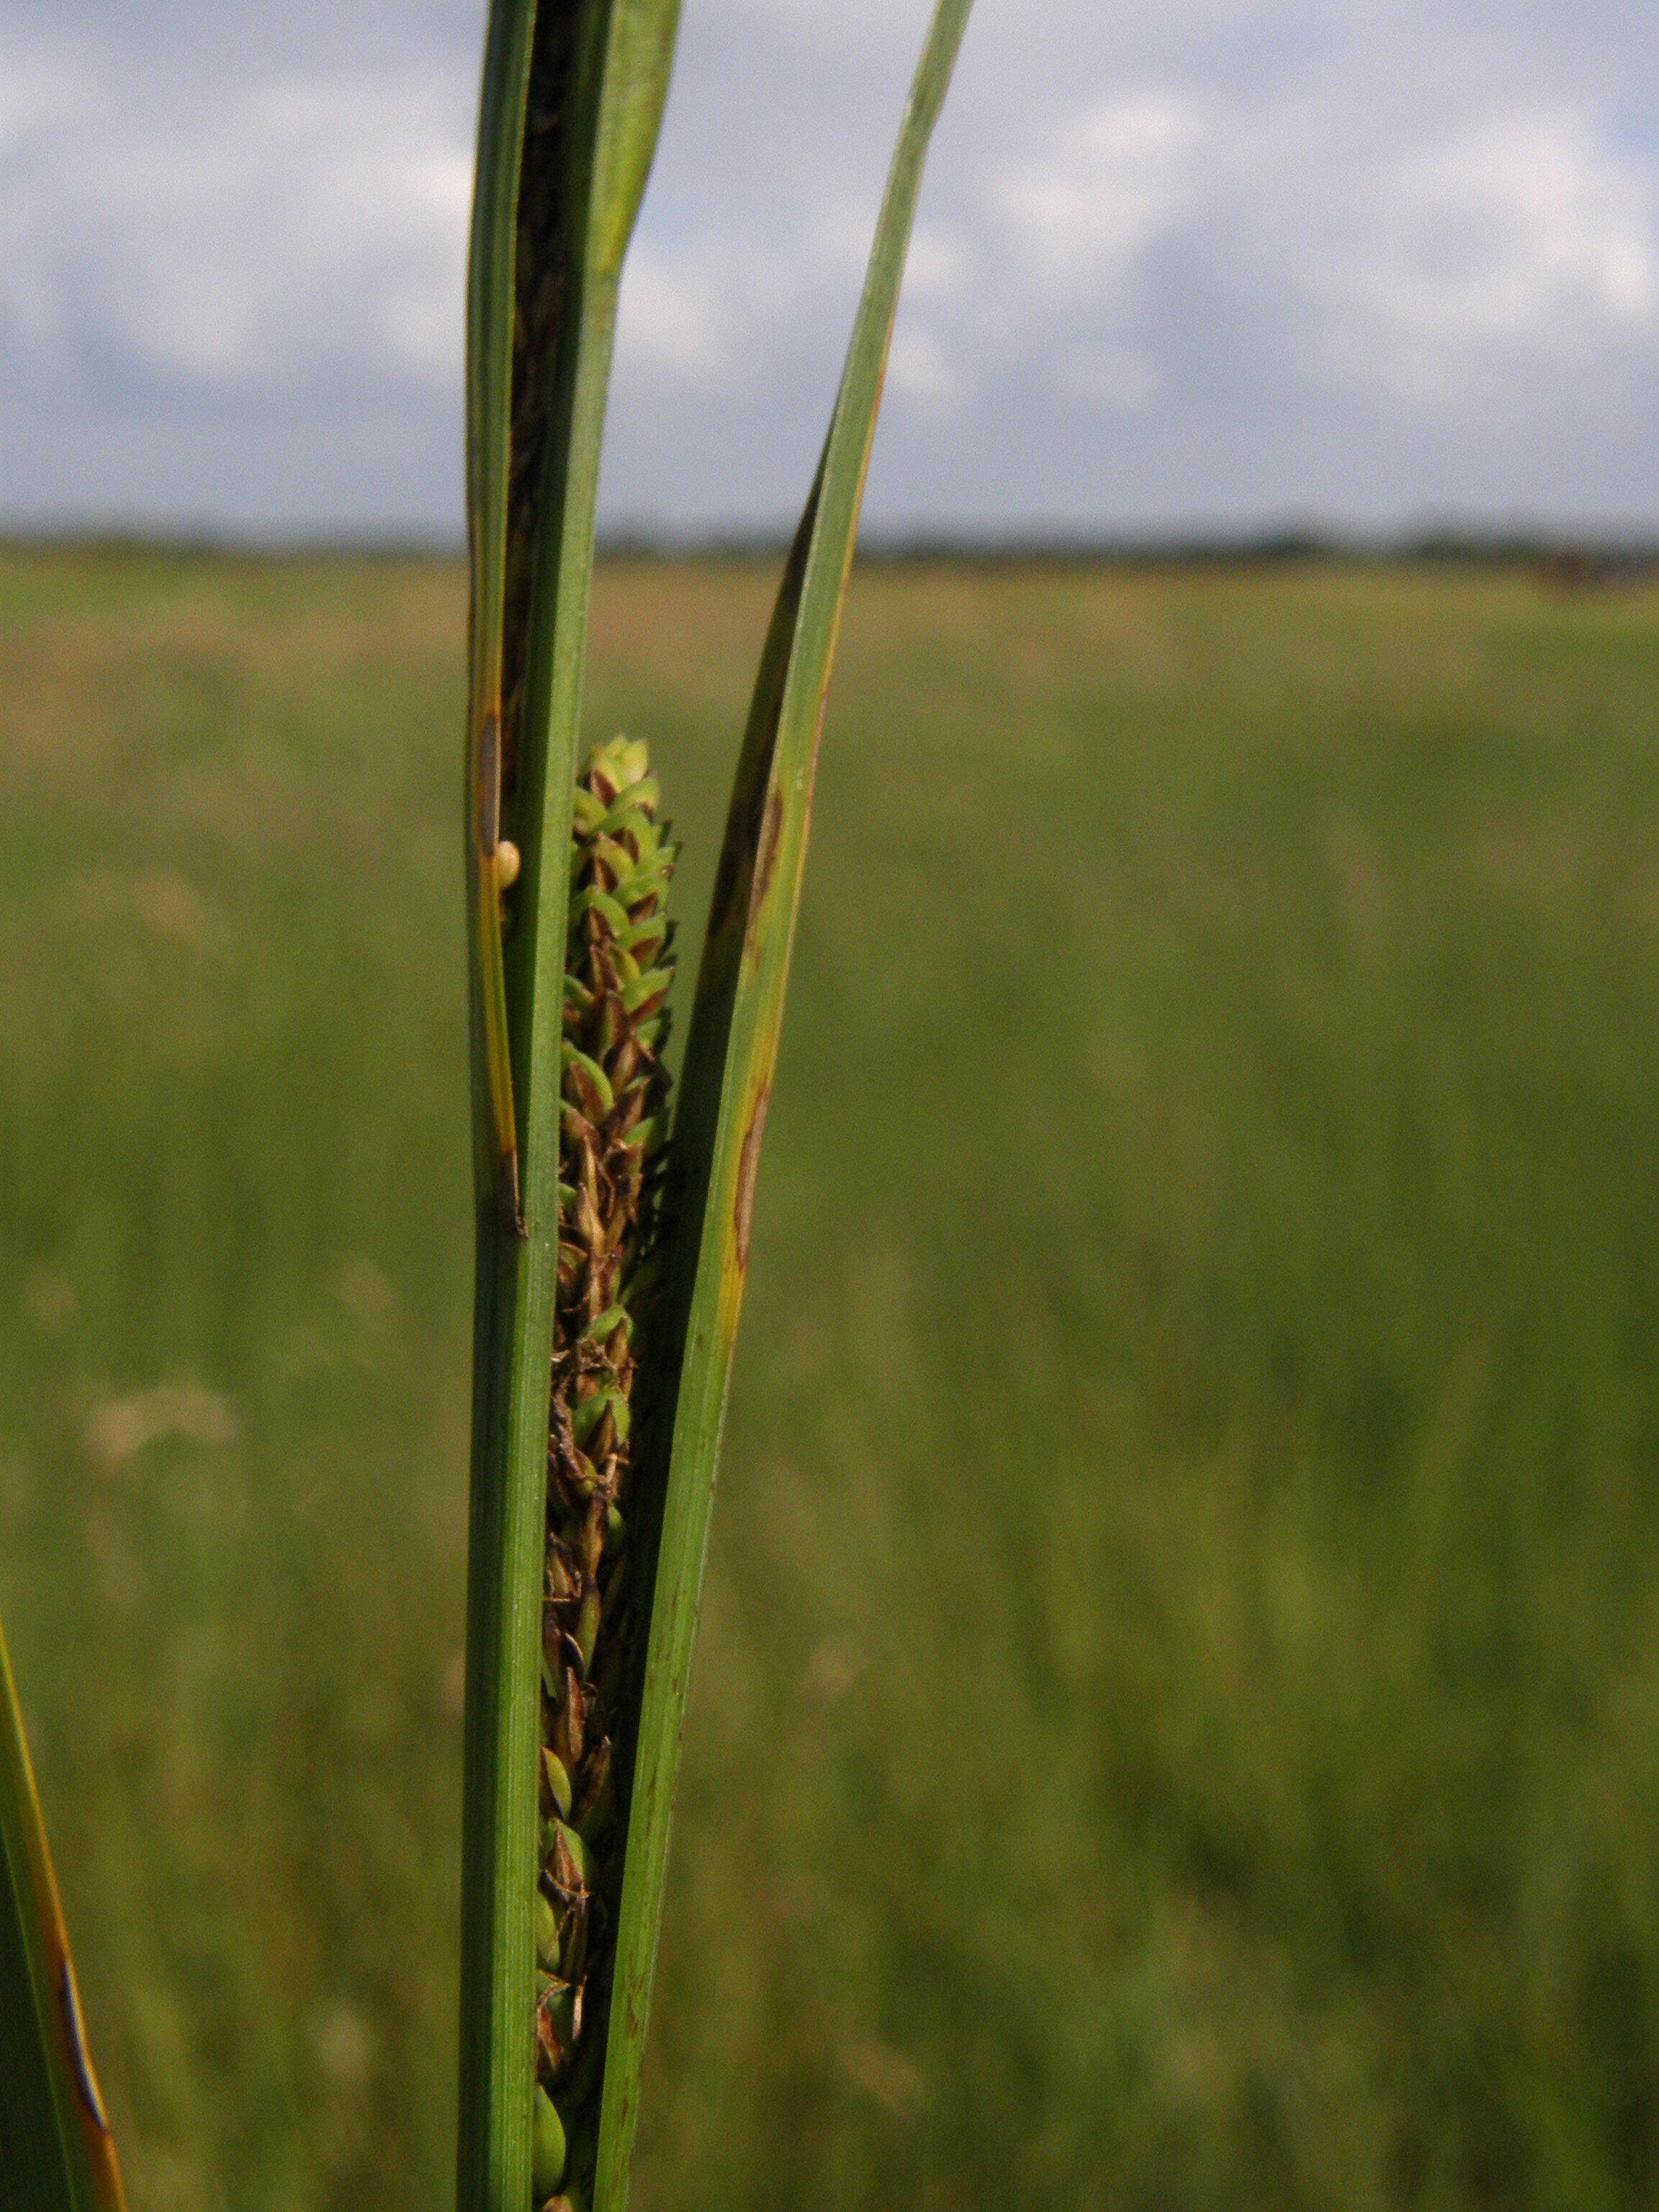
[(547, 1932), (557, 1781), (572, 1866), (587, 1629), (588, 1413), (546, 2147)]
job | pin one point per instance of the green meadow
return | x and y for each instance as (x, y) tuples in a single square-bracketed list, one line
[(1177, 1722)]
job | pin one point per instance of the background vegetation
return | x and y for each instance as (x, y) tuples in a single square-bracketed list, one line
[(1176, 1719)]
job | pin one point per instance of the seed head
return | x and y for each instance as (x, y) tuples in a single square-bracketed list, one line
[(614, 1095)]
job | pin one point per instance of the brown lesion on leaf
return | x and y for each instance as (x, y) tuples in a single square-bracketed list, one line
[(766, 859), (511, 1200), (75, 2035), (747, 1169), (489, 785)]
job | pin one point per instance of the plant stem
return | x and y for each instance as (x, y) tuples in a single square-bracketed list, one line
[(587, 164)]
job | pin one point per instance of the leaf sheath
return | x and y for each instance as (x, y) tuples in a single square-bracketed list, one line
[(537, 380)]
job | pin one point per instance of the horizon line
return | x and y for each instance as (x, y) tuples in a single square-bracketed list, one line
[(1491, 543)]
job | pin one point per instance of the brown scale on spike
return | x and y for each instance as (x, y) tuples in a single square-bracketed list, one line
[(618, 973)]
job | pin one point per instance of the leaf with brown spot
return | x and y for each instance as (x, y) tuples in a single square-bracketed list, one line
[(766, 858), (725, 1091), (748, 1169)]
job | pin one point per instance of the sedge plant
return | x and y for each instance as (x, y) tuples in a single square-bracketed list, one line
[(611, 1236)]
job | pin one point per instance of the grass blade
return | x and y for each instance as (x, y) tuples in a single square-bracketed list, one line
[(572, 102), (57, 2153), (726, 1083)]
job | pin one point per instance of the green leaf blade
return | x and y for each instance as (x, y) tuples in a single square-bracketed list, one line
[(725, 1088), (57, 2153), (490, 303)]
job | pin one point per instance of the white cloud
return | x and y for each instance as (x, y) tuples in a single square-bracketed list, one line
[(1106, 376), (673, 324), (1209, 258), (1112, 179), (1524, 241), (919, 369), (259, 238), (1448, 267), (783, 20), (716, 310), (941, 263)]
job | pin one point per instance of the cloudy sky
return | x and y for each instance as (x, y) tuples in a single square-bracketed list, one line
[(1201, 263)]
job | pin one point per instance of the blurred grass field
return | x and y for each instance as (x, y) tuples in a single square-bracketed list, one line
[(1177, 1719)]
